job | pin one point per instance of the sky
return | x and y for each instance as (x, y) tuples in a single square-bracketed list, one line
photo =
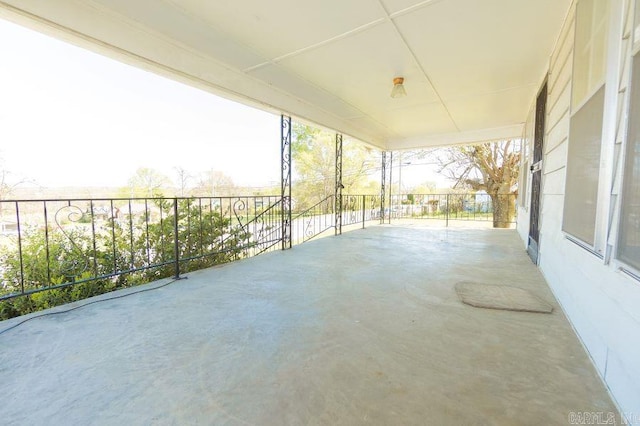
[(70, 117)]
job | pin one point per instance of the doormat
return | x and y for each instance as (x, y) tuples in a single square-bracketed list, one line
[(501, 297)]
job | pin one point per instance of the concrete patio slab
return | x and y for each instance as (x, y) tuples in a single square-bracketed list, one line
[(364, 328)]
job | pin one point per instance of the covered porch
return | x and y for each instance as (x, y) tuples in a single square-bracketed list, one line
[(361, 328), (367, 326)]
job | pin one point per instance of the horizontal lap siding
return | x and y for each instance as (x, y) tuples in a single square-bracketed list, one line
[(556, 160), (557, 134), (554, 185), (557, 128), (601, 302)]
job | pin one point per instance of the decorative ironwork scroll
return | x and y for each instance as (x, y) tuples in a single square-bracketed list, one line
[(74, 241), (285, 179), (383, 185), (390, 185), (374, 202), (73, 263), (352, 208), (258, 226), (339, 186)]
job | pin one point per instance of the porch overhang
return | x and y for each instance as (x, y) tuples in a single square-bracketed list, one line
[(471, 68)]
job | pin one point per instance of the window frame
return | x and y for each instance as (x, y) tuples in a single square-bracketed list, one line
[(526, 158), (609, 83), (634, 53)]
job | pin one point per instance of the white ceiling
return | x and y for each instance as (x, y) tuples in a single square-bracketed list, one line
[(472, 68)]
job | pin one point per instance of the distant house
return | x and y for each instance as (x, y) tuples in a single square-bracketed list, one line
[(483, 202), (101, 213), (8, 227)]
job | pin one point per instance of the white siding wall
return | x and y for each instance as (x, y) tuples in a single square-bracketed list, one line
[(602, 303)]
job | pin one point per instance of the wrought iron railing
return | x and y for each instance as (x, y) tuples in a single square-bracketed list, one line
[(64, 250), (500, 209), (52, 244), (314, 221), (320, 218), (359, 209)]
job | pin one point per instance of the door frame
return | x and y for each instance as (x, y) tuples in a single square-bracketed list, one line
[(533, 241)]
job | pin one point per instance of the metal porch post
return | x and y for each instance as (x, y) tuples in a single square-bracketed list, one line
[(339, 186), (176, 239), (285, 179), (382, 185), (390, 185)]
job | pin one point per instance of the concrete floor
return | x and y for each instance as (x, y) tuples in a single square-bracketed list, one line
[(365, 328)]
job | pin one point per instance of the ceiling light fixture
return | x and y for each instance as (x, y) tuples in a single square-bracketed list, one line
[(398, 88)]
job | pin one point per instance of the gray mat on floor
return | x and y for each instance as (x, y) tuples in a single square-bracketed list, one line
[(501, 297)]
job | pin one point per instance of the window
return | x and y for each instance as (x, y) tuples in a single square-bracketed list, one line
[(589, 60), (587, 107), (527, 140), (583, 168), (629, 236)]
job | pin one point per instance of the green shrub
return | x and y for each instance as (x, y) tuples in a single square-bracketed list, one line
[(121, 256)]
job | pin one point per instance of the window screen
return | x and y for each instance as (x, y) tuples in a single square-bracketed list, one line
[(585, 131), (583, 168), (629, 238)]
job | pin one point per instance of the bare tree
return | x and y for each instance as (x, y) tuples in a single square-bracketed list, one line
[(147, 182), (6, 188), (183, 178), (492, 167), (9, 182), (214, 183)]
